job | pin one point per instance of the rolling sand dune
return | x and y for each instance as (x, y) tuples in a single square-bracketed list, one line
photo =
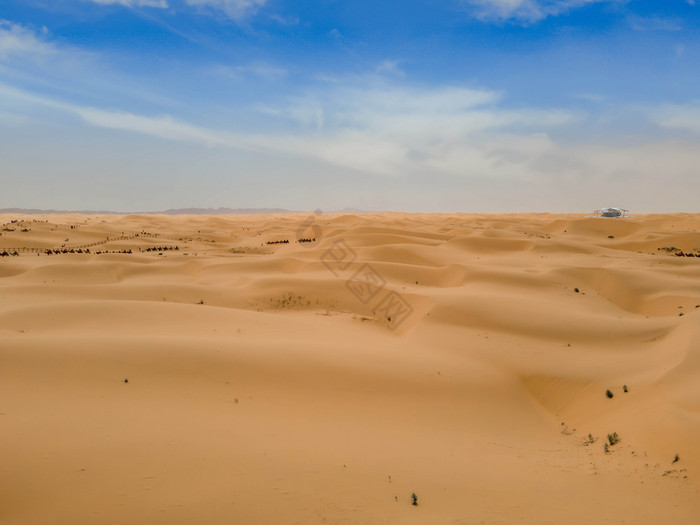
[(199, 369)]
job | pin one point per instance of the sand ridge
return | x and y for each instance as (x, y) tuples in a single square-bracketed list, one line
[(461, 357)]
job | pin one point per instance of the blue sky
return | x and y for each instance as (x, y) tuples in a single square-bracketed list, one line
[(426, 105)]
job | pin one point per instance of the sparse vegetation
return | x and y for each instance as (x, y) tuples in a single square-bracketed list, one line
[(576, 290), (676, 458), (613, 438), (414, 499), (625, 389), (589, 440), (289, 300), (609, 394)]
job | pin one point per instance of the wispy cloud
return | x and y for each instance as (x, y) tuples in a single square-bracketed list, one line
[(383, 130), (35, 58), (163, 126), (234, 9), (286, 20), (19, 41), (423, 134), (684, 117), (527, 11), (389, 66), (162, 4)]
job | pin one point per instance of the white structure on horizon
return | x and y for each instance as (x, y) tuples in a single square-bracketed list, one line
[(612, 212)]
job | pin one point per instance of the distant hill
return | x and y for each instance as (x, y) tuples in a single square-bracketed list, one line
[(220, 211), (174, 211)]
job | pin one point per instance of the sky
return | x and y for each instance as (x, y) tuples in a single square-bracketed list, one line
[(413, 105)]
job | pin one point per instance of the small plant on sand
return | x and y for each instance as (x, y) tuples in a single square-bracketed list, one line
[(201, 301), (606, 448), (414, 500), (613, 438), (589, 440), (625, 389), (676, 459), (609, 394)]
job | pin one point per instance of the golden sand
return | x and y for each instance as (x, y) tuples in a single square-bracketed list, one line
[(463, 358)]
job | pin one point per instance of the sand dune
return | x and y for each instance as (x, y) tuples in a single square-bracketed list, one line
[(463, 358)]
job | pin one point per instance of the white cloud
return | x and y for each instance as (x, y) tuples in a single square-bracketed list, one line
[(389, 66), (17, 40), (524, 10), (162, 126), (393, 130), (286, 21), (235, 9), (385, 130), (440, 135), (676, 116), (163, 4)]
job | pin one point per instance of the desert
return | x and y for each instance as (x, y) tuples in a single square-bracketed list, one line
[(338, 368)]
